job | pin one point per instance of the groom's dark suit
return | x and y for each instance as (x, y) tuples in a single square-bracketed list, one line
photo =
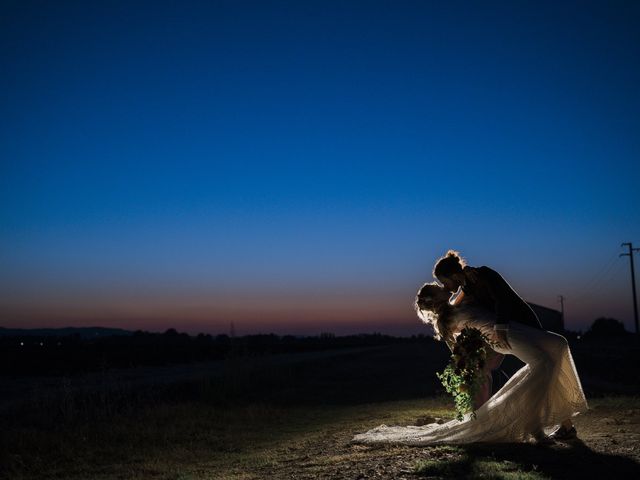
[(488, 288)]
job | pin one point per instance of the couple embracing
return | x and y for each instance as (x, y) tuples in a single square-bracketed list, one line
[(536, 404)]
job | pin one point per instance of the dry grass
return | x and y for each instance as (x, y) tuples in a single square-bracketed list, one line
[(190, 440), (196, 440), (288, 422)]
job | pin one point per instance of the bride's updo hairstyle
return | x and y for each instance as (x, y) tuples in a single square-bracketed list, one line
[(432, 307), (449, 265)]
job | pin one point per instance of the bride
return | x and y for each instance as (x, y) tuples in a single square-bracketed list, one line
[(542, 395)]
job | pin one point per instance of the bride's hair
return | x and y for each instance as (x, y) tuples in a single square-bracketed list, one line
[(432, 307), (451, 263)]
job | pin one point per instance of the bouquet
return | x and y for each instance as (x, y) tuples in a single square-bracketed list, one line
[(463, 377)]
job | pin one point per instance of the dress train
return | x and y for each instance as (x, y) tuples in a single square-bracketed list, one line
[(538, 397)]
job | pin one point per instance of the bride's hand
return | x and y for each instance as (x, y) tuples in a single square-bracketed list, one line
[(502, 342)]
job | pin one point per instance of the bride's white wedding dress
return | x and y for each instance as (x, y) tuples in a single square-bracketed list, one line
[(538, 397)]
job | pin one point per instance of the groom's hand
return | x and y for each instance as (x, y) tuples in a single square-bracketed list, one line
[(503, 342)]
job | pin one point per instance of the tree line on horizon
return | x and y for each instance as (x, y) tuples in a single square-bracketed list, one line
[(73, 353)]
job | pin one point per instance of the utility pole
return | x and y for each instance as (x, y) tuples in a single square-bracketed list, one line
[(633, 281), (561, 298)]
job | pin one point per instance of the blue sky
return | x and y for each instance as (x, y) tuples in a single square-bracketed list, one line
[(299, 166)]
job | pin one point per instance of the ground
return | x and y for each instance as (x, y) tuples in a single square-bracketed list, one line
[(293, 423), (609, 440), (195, 441)]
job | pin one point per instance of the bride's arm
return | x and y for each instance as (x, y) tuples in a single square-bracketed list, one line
[(458, 298)]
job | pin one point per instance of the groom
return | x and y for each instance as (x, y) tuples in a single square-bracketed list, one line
[(485, 287)]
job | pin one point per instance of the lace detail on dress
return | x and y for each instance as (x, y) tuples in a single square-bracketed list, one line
[(539, 396)]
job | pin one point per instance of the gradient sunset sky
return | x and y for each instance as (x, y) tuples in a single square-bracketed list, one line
[(298, 166)]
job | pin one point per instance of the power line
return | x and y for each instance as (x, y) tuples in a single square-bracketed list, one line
[(587, 287), (597, 294), (633, 281), (612, 270), (561, 298)]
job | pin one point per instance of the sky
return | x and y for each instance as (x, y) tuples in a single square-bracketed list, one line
[(298, 167)]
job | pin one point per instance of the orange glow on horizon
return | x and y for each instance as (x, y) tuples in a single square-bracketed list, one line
[(270, 312)]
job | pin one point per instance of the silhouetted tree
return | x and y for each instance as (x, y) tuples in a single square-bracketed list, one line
[(606, 327)]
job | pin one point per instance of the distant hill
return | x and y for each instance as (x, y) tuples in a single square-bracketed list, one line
[(84, 332)]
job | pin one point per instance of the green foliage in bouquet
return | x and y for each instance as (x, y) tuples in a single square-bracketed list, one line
[(463, 377)]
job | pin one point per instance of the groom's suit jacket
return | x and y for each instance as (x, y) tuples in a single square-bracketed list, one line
[(489, 289)]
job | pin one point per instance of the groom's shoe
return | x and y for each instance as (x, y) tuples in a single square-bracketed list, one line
[(541, 439), (564, 433)]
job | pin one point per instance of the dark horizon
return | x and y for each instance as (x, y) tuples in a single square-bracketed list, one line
[(339, 329)]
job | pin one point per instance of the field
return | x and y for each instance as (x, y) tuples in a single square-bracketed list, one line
[(293, 416)]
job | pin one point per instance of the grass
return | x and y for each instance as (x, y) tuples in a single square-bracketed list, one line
[(615, 402), (265, 422), (197, 440), (456, 462), (193, 440)]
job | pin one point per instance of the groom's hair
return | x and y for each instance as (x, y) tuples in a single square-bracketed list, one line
[(451, 263)]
